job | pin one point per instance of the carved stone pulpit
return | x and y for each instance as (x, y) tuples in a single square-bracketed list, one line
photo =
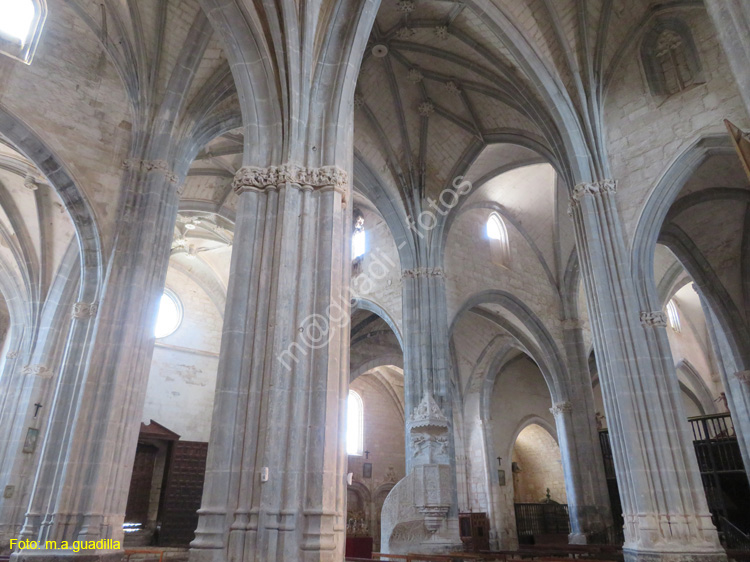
[(428, 431)]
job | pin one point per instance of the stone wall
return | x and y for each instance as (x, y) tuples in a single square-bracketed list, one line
[(383, 434), (539, 467), (645, 134), (379, 277), (384, 439), (72, 97), (182, 380)]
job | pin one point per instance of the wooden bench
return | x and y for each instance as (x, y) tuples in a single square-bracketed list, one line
[(129, 552), (414, 557), (591, 554), (739, 555)]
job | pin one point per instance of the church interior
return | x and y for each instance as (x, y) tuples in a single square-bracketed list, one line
[(327, 280)]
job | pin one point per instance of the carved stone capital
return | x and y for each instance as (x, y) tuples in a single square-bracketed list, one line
[(654, 319), (150, 166), (37, 371), (561, 408), (591, 189), (743, 377), (250, 178), (422, 272), (85, 309), (30, 183)]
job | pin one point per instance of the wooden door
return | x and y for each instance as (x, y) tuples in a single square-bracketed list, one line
[(140, 484), (182, 496)]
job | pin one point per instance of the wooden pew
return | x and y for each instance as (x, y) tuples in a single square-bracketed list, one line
[(739, 555)]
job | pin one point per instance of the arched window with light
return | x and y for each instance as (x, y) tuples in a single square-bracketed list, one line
[(497, 234), (673, 317), (359, 237), (355, 425), (21, 23)]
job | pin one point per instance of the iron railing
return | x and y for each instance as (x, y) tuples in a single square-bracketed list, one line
[(542, 518), (734, 538)]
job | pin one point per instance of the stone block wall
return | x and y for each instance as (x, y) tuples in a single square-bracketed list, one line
[(383, 434), (645, 134), (182, 379), (540, 467)]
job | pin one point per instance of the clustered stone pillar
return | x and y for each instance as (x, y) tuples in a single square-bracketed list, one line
[(664, 506), (421, 513), (738, 392), (43, 349), (736, 382), (275, 478), (81, 485), (585, 482)]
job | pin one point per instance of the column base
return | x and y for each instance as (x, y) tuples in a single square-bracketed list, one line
[(67, 556), (578, 538), (650, 556), (206, 555)]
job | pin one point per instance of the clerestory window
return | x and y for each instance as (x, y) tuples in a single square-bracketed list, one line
[(359, 237), (497, 234), (21, 24), (355, 425), (673, 316)]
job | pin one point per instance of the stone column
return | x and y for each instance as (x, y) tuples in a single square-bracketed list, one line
[(737, 386), (736, 382), (664, 505), (421, 513), (425, 336), (585, 481), (275, 486), (731, 19), (82, 481), (28, 391)]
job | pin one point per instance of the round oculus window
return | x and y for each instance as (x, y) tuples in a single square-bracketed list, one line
[(170, 315)]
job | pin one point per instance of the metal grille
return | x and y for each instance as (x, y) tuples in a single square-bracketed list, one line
[(542, 518)]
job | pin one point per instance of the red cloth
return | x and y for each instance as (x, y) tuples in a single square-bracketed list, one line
[(359, 547)]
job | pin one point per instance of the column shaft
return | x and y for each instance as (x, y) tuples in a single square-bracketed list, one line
[(82, 481), (665, 511), (275, 486), (585, 481)]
